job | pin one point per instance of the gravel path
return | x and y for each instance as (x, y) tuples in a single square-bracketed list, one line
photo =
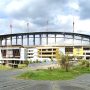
[(8, 82)]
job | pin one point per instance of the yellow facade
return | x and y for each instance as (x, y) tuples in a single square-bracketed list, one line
[(78, 51), (47, 52)]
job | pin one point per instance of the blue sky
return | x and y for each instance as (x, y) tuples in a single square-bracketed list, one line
[(58, 13)]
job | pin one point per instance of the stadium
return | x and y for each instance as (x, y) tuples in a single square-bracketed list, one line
[(31, 46)]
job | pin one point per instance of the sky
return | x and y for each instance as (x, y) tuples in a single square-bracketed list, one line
[(44, 15)]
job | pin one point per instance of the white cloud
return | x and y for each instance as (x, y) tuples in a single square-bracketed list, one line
[(15, 6), (58, 12), (82, 26), (63, 19), (74, 5)]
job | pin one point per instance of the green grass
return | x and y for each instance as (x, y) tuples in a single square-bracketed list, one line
[(3, 67), (55, 74)]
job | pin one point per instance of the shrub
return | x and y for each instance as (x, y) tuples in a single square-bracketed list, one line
[(52, 60), (44, 61), (87, 64), (22, 66), (84, 63), (26, 62), (50, 68), (37, 61), (30, 62), (34, 61), (65, 62)]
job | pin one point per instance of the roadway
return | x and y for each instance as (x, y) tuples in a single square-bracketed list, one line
[(9, 82)]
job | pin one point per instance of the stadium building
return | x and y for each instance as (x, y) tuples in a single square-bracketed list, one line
[(16, 48)]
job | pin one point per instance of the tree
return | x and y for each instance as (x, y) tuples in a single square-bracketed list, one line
[(63, 61)]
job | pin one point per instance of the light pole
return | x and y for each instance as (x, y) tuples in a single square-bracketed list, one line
[(73, 24), (27, 27), (73, 31), (11, 28), (47, 25), (73, 37)]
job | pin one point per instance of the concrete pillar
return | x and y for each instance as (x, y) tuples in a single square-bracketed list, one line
[(34, 39), (55, 38), (11, 40), (73, 40), (81, 40), (47, 39), (64, 40), (27, 40), (89, 41), (5, 41), (16, 40), (40, 39), (0, 42), (22, 39), (52, 54), (41, 54)]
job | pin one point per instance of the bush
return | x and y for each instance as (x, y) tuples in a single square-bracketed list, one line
[(26, 62), (22, 66), (84, 63), (44, 61), (5, 67), (34, 62), (50, 68), (87, 64), (64, 62), (52, 60), (37, 61), (30, 62)]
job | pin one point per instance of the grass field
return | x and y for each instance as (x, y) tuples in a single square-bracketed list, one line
[(3, 67), (54, 74)]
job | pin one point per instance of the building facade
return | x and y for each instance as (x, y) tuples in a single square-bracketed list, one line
[(48, 52), (12, 55), (16, 54), (79, 52), (32, 54)]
